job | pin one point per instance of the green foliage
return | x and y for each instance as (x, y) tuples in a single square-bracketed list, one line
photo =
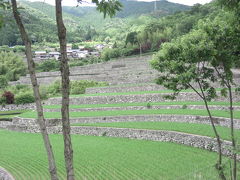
[(48, 65), (131, 38), (79, 87), (83, 23), (3, 82), (76, 87), (149, 106), (109, 53), (11, 67), (188, 59), (24, 98), (54, 89), (85, 61), (74, 46), (3, 100), (232, 5), (180, 62)]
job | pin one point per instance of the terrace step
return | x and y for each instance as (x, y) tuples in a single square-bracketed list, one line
[(225, 122), (197, 141), (4, 124), (112, 72), (126, 88), (148, 97), (212, 107)]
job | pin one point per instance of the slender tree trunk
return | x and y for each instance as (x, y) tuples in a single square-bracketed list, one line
[(219, 164), (140, 45), (68, 151), (41, 120), (232, 133)]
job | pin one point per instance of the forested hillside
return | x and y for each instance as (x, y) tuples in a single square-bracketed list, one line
[(83, 23)]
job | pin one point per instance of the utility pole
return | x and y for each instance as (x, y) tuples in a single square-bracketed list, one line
[(155, 5)]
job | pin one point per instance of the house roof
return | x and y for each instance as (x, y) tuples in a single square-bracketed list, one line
[(40, 52)]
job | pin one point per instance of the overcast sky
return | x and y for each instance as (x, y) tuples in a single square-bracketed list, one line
[(73, 2)]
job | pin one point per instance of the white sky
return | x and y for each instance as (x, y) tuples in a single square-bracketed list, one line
[(73, 2)]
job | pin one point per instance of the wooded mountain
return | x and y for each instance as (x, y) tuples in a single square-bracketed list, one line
[(82, 22)]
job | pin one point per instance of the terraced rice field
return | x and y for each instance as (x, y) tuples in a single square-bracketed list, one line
[(200, 112), (133, 93), (198, 129), (105, 158), (4, 115), (141, 104), (108, 158)]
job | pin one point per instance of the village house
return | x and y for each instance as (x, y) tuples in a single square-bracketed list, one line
[(54, 55), (40, 54)]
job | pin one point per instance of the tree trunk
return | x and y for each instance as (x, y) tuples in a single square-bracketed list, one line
[(232, 133), (41, 120), (219, 164), (68, 151)]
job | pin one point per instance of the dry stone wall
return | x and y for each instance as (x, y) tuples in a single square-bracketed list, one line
[(132, 98), (112, 72), (145, 108), (5, 175), (202, 142), (10, 107), (132, 118)]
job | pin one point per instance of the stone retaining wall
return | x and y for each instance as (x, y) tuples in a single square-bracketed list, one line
[(5, 124), (103, 72), (121, 78), (11, 107), (197, 141), (133, 118), (5, 175), (144, 108), (157, 97), (113, 89), (33, 121)]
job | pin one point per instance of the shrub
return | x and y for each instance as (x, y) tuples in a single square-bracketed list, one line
[(3, 82), (9, 97), (11, 66), (55, 88), (24, 98), (79, 87), (149, 106), (108, 54), (184, 106), (43, 92), (49, 65), (3, 101)]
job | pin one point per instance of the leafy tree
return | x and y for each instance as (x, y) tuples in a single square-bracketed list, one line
[(183, 65), (3, 82), (201, 58), (232, 5), (48, 65), (224, 32), (131, 38), (11, 66)]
